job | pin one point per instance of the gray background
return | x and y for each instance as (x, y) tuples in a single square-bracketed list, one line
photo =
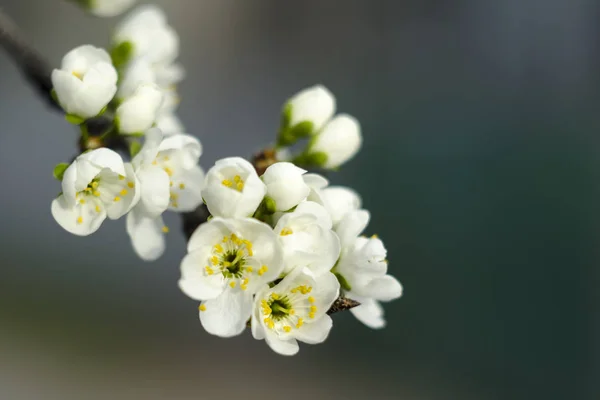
[(480, 166)]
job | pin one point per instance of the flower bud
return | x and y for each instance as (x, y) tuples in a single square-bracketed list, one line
[(137, 114), (285, 185), (86, 82), (338, 142), (306, 113)]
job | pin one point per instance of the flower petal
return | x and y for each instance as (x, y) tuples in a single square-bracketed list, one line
[(315, 331), (226, 316), (188, 148), (195, 283), (369, 313), (146, 234), (351, 226), (385, 288), (154, 190), (187, 186), (79, 219), (284, 347)]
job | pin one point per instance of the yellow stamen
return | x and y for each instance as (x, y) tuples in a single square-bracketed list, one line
[(300, 323), (313, 309), (287, 329), (227, 182), (214, 260), (165, 229), (131, 185), (123, 192), (237, 178), (82, 201), (182, 186), (121, 177), (95, 185), (117, 198), (286, 232), (240, 186), (218, 248), (202, 307), (311, 315), (98, 209), (77, 75), (175, 204), (169, 171), (209, 270), (250, 269), (96, 193), (232, 284), (80, 220), (311, 299)]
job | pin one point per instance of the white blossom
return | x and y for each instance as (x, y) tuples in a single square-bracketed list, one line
[(233, 189), (147, 32), (136, 73), (315, 105), (108, 8), (307, 239), (363, 269), (294, 310), (96, 185), (86, 81), (228, 261), (339, 201), (169, 177), (147, 234), (285, 185), (169, 123), (154, 180), (338, 142), (138, 113)]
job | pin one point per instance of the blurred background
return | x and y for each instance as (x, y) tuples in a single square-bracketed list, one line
[(481, 167)]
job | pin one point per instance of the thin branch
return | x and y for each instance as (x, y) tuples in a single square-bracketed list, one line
[(33, 66)]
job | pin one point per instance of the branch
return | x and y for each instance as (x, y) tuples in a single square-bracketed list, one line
[(32, 65)]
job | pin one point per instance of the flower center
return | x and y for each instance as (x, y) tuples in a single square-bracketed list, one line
[(230, 258), (237, 183), (284, 312)]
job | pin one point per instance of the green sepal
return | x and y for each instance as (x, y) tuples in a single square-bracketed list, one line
[(102, 111), (59, 171), (134, 148), (74, 119), (54, 96), (343, 282), (308, 159), (121, 53), (269, 205)]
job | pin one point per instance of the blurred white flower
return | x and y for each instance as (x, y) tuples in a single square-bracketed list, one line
[(285, 185), (169, 178), (233, 189), (307, 239), (136, 73), (138, 113), (145, 33), (96, 185), (294, 310), (362, 270), (337, 143), (169, 123), (86, 82), (339, 201), (228, 261), (106, 8)]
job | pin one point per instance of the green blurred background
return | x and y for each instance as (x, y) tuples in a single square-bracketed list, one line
[(481, 169)]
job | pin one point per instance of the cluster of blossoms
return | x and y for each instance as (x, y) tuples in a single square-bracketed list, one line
[(136, 88), (280, 246)]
